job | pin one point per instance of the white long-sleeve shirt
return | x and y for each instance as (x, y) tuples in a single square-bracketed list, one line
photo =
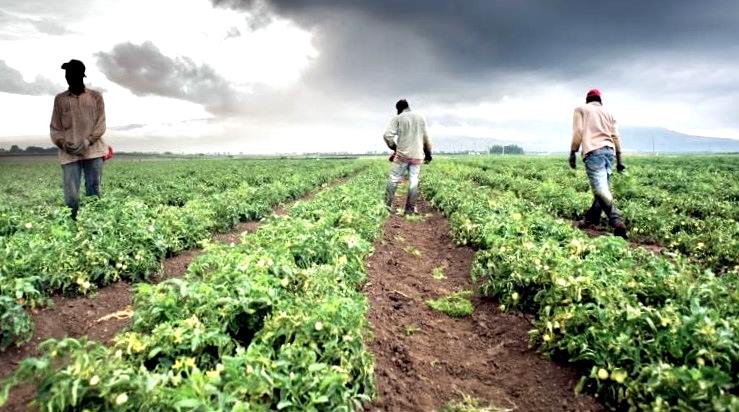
[(408, 132), (594, 127)]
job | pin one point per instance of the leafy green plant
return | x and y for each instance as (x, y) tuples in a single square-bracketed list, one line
[(410, 329), (468, 403), (412, 250), (438, 273), (456, 304), (141, 220)]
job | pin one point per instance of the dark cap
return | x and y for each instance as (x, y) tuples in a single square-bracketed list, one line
[(75, 66), (401, 105)]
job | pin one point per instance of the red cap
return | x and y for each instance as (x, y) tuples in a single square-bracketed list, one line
[(593, 92)]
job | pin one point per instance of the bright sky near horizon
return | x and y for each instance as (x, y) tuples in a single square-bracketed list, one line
[(266, 76)]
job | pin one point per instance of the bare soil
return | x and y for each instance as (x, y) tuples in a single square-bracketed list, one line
[(424, 359)]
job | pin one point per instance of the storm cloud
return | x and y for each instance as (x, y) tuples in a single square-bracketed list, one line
[(418, 43), (451, 52), (145, 70), (11, 81)]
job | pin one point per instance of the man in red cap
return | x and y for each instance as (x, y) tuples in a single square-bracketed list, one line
[(594, 128), (77, 127)]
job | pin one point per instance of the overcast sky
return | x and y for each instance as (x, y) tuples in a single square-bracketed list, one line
[(262, 76)]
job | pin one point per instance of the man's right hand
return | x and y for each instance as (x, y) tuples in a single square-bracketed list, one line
[(427, 156), (573, 160), (391, 158)]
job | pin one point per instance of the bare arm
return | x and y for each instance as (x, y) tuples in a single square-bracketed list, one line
[(99, 129), (576, 131), (56, 128)]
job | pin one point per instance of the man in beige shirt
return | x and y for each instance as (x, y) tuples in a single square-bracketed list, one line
[(406, 136), (77, 127), (595, 129)]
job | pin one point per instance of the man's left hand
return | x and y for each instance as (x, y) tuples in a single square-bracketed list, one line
[(619, 163), (427, 156), (391, 158), (573, 160)]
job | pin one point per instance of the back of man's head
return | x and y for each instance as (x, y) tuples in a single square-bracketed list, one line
[(401, 105)]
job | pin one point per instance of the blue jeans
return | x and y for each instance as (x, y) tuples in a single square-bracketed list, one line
[(72, 174), (599, 168), (398, 171)]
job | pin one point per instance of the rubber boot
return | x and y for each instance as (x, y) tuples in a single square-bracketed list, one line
[(619, 229), (592, 216)]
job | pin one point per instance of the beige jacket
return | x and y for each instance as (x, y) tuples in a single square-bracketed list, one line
[(79, 121), (594, 127), (410, 130)]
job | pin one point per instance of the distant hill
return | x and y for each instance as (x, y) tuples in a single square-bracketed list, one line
[(634, 139), (640, 139), (465, 144)]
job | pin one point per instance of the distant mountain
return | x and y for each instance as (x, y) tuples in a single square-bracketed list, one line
[(634, 139), (642, 139)]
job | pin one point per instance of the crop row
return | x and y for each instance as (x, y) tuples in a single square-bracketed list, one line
[(274, 323), (123, 238), (649, 333), (694, 211), (31, 192)]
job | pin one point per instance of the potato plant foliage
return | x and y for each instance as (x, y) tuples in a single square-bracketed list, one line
[(690, 205), (274, 323), (147, 212), (650, 332)]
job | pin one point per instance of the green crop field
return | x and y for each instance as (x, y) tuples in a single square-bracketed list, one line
[(279, 320)]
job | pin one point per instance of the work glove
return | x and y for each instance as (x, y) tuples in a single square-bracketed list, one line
[(391, 158), (427, 156), (573, 159)]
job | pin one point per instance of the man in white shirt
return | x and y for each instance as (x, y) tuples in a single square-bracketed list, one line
[(406, 136), (595, 129)]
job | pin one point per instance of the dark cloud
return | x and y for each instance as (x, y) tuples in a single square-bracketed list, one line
[(11, 81), (423, 40), (144, 70), (449, 51)]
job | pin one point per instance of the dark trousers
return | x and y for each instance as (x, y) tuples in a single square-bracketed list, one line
[(72, 176)]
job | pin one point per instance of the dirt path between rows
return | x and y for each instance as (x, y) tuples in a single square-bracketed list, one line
[(424, 359), (103, 314)]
